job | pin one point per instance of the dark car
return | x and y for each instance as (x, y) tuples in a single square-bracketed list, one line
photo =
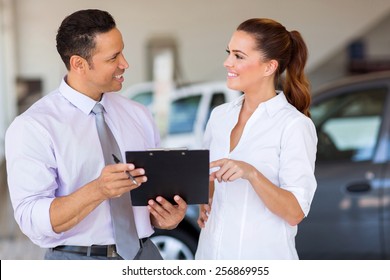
[(350, 213)]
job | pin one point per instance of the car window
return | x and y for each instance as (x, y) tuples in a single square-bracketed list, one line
[(348, 124), (217, 99), (144, 98), (183, 113)]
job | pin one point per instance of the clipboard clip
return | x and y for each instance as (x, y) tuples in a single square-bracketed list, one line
[(183, 149), (169, 149)]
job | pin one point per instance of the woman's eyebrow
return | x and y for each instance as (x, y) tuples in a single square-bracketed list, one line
[(238, 51)]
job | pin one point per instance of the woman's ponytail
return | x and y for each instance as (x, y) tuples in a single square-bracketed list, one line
[(296, 85)]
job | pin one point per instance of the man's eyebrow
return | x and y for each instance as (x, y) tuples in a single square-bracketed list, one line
[(114, 55)]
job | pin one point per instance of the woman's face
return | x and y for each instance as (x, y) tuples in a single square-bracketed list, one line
[(246, 69)]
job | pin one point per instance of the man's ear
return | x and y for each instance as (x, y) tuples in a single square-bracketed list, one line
[(77, 63), (272, 65)]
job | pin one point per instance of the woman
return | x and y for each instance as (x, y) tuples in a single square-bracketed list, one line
[(262, 148)]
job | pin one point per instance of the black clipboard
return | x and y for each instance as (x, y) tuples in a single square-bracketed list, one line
[(172, 172)]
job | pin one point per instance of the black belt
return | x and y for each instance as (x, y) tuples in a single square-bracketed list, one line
[(94, 250)]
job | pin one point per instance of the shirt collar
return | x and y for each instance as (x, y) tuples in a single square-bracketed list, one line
[(272, 106), (237, 102), (78, 99), (276, 103)]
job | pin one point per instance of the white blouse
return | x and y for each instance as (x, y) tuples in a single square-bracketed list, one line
[(281, 143)]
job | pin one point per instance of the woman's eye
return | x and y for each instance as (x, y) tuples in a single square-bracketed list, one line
[(236, 55)]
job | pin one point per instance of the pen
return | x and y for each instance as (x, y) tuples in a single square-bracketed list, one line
[(127, 172)]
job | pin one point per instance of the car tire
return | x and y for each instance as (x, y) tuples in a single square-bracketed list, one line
[(177, 244)]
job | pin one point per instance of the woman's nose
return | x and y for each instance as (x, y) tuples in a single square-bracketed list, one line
[(227, 63)]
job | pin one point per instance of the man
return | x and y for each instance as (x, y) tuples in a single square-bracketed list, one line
[(59, 183)]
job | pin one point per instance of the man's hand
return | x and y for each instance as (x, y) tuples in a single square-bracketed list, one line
[(113, 180), (67, 211), (165, 215)]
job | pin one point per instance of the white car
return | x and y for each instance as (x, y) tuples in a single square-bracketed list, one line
[(190, 108)]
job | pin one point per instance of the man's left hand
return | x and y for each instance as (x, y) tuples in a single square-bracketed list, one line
[(164, 214)]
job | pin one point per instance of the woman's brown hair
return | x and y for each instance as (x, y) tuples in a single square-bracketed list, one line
[(290, 51)]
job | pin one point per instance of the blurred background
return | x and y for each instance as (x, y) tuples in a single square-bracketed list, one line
[(173, 43)]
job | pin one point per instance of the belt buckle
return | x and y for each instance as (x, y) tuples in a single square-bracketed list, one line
[(111, 251)]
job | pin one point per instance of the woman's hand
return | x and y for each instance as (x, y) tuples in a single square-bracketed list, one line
[(230, 170), (204, 212), (278, 200)]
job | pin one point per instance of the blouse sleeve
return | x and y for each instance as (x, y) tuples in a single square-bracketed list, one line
[(297, 161)]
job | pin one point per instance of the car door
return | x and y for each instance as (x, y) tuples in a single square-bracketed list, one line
[(345, 220)]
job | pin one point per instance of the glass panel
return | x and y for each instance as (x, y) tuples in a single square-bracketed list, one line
[(144, 98), (348, 124), (217, 99), (183, 114)]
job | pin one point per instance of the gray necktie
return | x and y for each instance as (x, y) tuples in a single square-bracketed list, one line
[(126, 237)]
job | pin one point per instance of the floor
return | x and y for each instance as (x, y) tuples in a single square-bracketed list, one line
[(14, 245)]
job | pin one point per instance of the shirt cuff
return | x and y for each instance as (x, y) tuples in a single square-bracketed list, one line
[(41, 216)]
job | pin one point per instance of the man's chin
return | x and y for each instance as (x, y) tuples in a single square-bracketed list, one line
[(116, 87)]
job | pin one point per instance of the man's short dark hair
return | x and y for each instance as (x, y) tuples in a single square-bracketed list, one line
[(76, 35)]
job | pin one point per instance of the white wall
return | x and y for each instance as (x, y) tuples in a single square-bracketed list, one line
[(202, 29), (7, 68)]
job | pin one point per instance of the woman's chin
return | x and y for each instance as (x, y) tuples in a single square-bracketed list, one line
[(230, 84)]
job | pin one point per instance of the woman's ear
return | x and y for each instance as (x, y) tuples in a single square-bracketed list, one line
[(272, 65), (77, 63)]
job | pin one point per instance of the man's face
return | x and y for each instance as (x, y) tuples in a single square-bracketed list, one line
[(105, 73)]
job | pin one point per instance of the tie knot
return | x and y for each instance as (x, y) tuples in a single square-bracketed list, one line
[(98, 108)]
